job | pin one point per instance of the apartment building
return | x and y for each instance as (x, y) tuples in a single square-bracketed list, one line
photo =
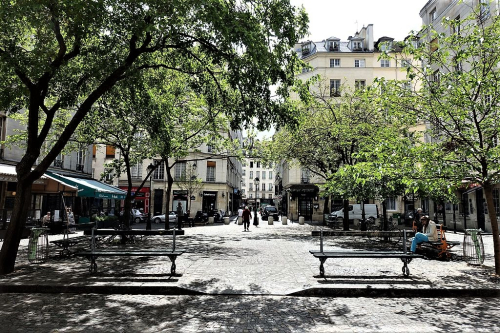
[(258, 183), (352, 63), (471, 212), (67, 183), (218, 189)]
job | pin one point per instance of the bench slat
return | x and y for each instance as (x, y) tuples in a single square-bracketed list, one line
[(128, 253), (366, 255), (133, 232)]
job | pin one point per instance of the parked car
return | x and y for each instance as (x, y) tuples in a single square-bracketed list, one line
[(270, 211), (201, 216), (172, 218), (137, 216), (371, 212)]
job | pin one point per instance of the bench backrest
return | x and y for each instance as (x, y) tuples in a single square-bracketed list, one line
[(135, 232)]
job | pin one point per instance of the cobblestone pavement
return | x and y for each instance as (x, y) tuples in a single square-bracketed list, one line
[(245, 281), (153, 313)]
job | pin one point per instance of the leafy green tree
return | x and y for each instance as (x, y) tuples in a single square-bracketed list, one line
[(456, 97), (65, 55)]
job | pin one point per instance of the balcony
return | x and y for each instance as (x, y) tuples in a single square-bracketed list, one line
[(79, 167)]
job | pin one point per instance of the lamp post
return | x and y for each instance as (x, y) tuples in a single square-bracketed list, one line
[(255, 218), (150, 168)]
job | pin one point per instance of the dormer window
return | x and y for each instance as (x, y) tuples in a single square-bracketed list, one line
[(386, 46), (333, 46), (357, 46), (306, 48)]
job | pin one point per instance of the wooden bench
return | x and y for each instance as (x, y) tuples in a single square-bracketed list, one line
[(440, 248), (406, 257), (94, 252)]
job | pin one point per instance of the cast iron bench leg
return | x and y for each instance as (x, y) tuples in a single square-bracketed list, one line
[(172, 268), (93, 265), (321, 267), (406, 270)]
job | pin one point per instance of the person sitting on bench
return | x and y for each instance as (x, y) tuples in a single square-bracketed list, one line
[(428, 234)]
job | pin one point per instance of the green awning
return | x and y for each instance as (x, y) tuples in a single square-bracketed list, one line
[(88, 187)]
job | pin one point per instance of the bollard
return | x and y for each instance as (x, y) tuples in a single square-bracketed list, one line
[(226, 220), (284, 220), (240, 220), (301, 219), (211, 220), (270, 220)]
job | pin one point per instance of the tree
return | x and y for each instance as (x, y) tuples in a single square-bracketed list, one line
[(190, 182), (65, 55), (458, 102)]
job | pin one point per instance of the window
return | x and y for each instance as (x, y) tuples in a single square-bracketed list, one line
[(257, 195), (360, 84), (386, 46), (263, 175), (209, 148), (211, 171), (333, 46), (304, 177), (357, 46), (243, 184), (359, 63), (258, 164), (485, 9), (390, 203), (159, 172), (270, 175), (270, 165), (455, 28), (270, 187), (334, 63), (251, 196), (433, 15), (251, 164), (434, 45), (180, 171), (251, 175), (270, 196), (110, 151), (384, 63), (257, 174), (334, 88), (108, 175), (250, 186), (243, 172), (136, 170), (58, 162), (80, 160)]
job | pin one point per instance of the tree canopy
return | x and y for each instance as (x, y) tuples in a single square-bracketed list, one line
[(63, 56)]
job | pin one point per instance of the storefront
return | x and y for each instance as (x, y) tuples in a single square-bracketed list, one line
[(182, 197), (303, 198), (209, 201), (86, 198), (141, 200)]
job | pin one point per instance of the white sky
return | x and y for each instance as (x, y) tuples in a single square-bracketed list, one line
[(342, 18)]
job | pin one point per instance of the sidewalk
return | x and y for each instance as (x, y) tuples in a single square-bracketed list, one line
[(268, 260)]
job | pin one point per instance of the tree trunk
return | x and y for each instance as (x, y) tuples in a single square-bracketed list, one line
[(488, 193), (325, 208), (346, 214), (170, 182), (14, 232)]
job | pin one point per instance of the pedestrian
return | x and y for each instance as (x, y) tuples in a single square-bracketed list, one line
[(180, 215), (246, 215), (428, 234), (46, 219), (71, 220), (240, 214)]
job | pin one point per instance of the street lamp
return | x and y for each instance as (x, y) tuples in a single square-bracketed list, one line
[(255, 218), (150, 169)]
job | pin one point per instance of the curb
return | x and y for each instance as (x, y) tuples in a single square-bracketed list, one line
[(396, 293), (105, 289)]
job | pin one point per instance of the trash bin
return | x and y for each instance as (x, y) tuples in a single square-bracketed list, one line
[(38, 246), (363, 226), (397, 216), (473, 248)]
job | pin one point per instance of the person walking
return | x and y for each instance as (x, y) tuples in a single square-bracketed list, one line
[(180, 215), (240, 215), (247, 215)]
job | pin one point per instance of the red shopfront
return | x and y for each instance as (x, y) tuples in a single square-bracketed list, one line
[(141, 200)]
